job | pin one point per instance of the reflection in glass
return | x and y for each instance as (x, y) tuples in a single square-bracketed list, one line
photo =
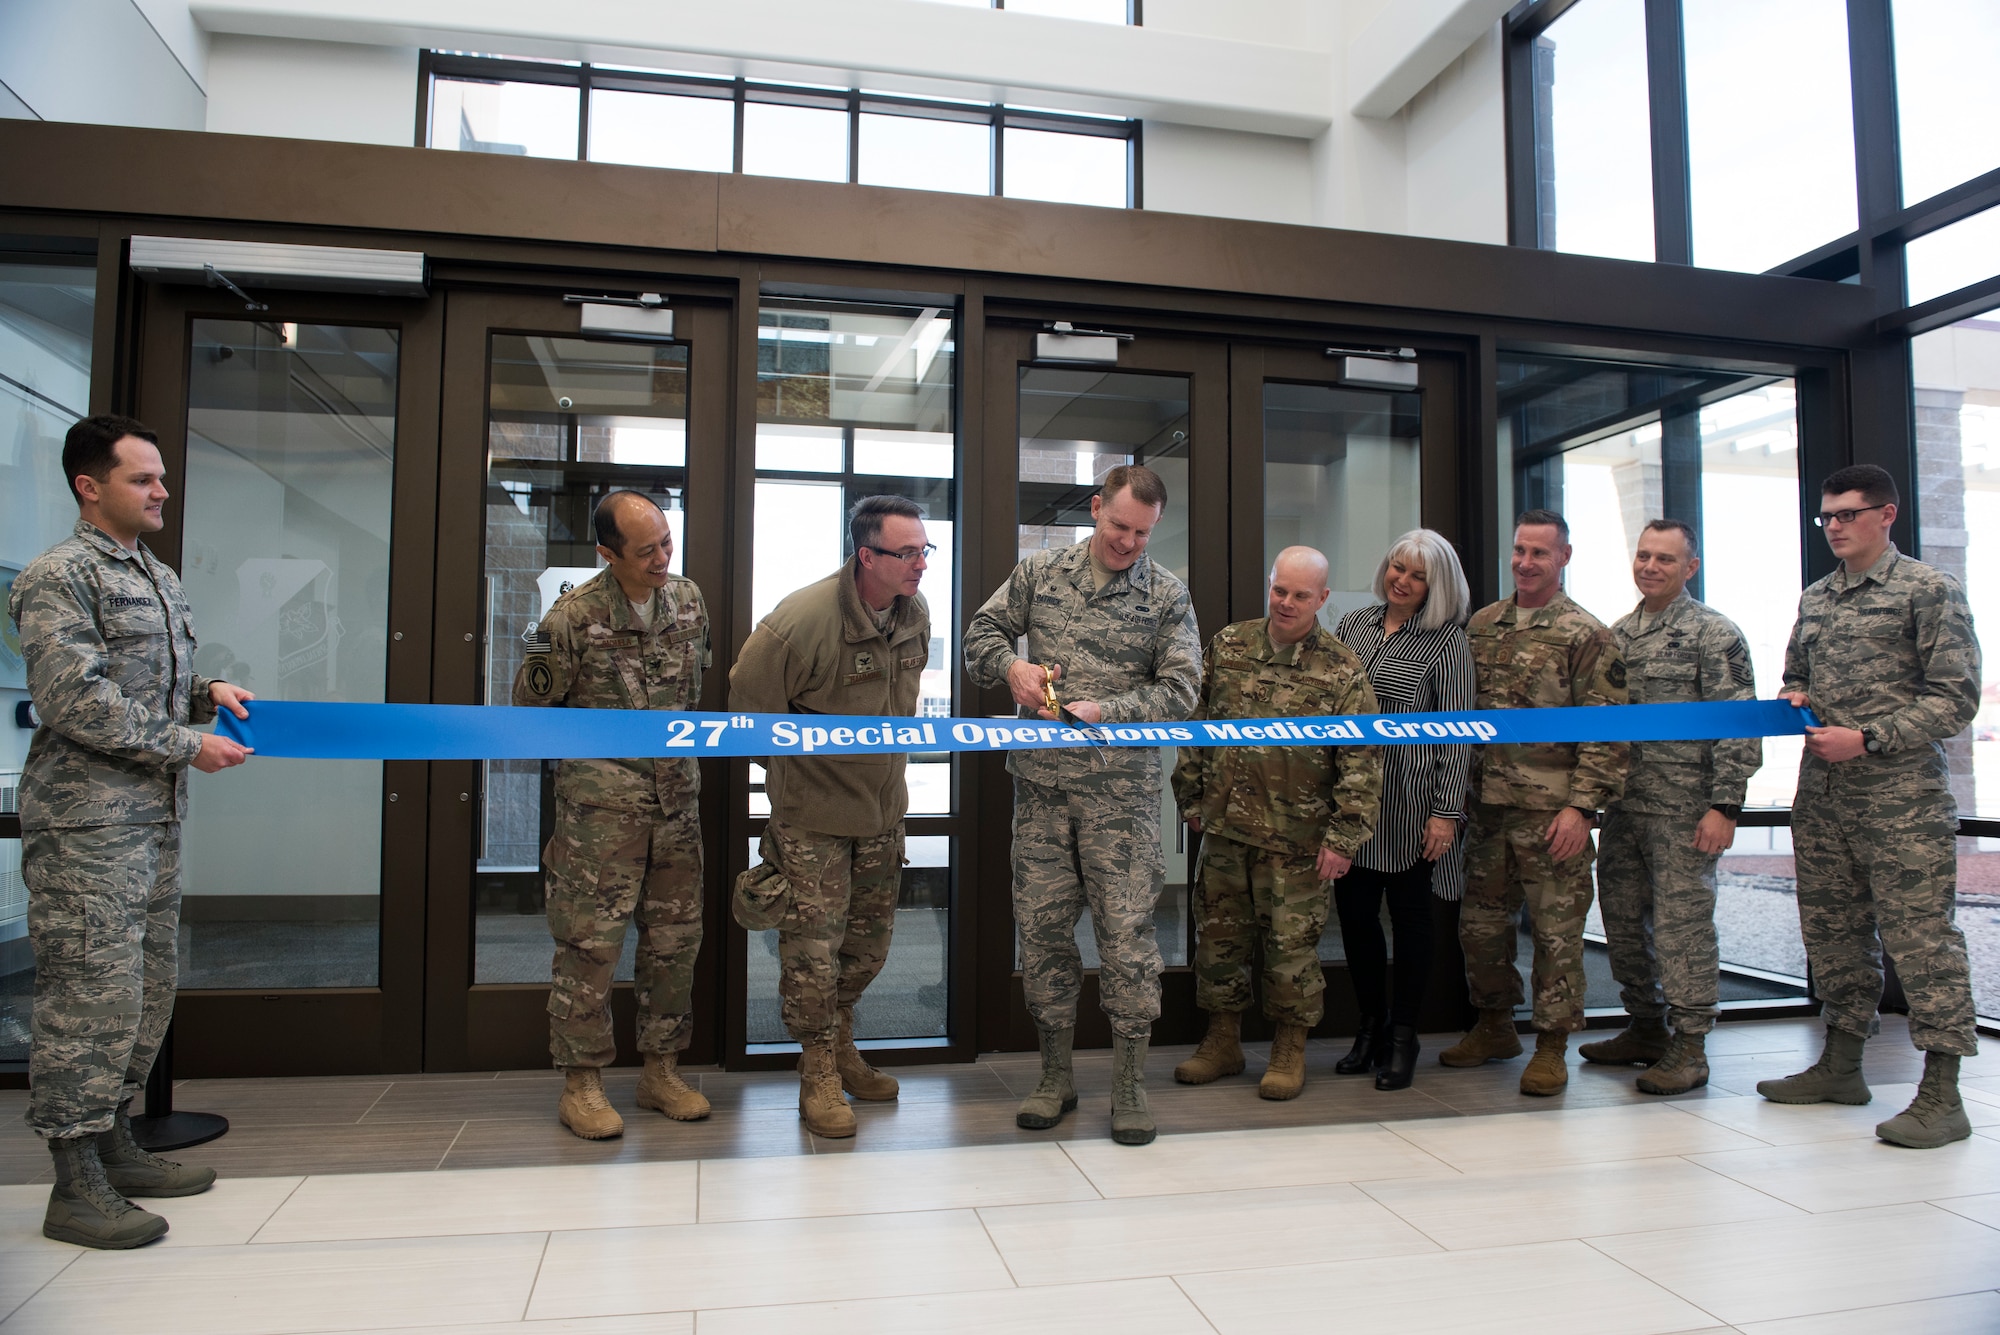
[(1341, 473), (45, 331), (1601, 131), (1947, 100), (291, 445), (1770, 129), (1076, 426), (1957, 375), (660, 130), (1065, 168), (514, 119), (1954, 257), (856, 401), (917, 153), (568, 420), (807, 143)]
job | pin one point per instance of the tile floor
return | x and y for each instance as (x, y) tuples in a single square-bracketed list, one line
[(456, 1204)]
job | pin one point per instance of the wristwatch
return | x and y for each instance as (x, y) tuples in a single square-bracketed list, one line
[(1733, 810), (1871, 742)]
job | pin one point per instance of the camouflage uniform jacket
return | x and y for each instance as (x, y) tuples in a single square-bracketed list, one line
[(820, 652), (1544, 658), (1890, 651), (1131, 646), (1288, 799), (1689, 652), (109, 644), (591, 652)]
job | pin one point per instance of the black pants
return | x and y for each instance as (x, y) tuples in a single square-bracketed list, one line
[(1357, 897)]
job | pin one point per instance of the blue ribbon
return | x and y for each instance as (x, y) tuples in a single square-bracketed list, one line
[(495, 732)]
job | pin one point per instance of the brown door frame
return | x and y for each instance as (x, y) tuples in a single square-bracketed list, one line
[(323, 1031), (504, 1026)]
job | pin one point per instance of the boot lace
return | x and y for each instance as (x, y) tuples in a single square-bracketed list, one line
[(88, 1180)]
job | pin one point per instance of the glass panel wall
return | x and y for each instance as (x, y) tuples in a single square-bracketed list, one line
[(805, 142), (1611, 447), (569, 420), (656, 130), (1591, 64), (853, 401), (1957, 377), (921, 153), (1770, 129), (532, 120), (1947, 100), (1065, 168), (291, 451), (1953, 257), (1076, 426), (45, 325)]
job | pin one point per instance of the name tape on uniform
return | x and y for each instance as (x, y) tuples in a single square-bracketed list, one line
[(304, 730)]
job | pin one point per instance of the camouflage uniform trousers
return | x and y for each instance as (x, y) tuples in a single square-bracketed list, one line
[(104, 907), (1657, 894), (1095, 850), (606, 870), (836, 934), (1872, 863), (1506, 864), (1246, 896)]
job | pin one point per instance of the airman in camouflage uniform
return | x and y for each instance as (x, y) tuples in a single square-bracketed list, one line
[(1661, 840), (855, 642), (1530, 830), (627, 840), (109, 644), (1115, 635), (1885, 654), (1274, 822)]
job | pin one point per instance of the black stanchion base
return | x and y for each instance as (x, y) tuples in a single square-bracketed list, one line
[(178, 1130)]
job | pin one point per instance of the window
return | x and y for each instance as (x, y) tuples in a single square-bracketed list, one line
[(1599, 133), (694, 122), (1953, 257), (1770, 129), (1947, 100)]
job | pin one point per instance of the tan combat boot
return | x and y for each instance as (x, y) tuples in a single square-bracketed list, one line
[(857, 1077), (1491, 1039), (821, 1106), (1220, 1052), (1642, 1042), (583, 1107), (1684, 1066), (1285, 1077), (662, 1089), (1547, 1072)]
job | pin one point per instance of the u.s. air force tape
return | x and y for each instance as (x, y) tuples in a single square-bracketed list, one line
[(493, 732)]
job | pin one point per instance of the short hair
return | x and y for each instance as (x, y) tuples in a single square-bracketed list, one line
[(91, 447), (1144, 484), (604, 520), (1874, 484), (864, 521), (1539, 516), (1681, 526), (1449, 602)]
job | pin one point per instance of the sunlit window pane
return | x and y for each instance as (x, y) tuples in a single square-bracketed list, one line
[(904, 453), (1090, 11), (515, 119), (1947, 95), (919, 154), (1770, 129), (655, 130), (1601, 131), (1954, 256), (809, 143), (799, 449), (1065, 168)]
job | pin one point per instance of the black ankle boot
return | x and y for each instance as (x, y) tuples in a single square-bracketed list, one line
[(1402, 1065), (1371, 1044)]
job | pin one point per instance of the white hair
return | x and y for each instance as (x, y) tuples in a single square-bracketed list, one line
[(1449, 602)]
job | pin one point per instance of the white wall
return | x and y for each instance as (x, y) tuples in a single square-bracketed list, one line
[(1455, 153), (1227, 174), (99, 61), (312, 90)]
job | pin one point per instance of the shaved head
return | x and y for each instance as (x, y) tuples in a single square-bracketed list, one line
[(1301, 565), (1297, 592)]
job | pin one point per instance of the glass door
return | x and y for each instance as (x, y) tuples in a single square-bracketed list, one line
[(303, 469), (542, 420)]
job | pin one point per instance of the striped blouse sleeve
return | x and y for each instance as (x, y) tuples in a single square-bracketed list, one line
[(1455, 687)]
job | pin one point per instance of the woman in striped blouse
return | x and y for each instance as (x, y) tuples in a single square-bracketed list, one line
[(1414, 647)]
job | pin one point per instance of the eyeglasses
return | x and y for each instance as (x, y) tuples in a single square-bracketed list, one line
[(910, 557), (1843, 517)]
